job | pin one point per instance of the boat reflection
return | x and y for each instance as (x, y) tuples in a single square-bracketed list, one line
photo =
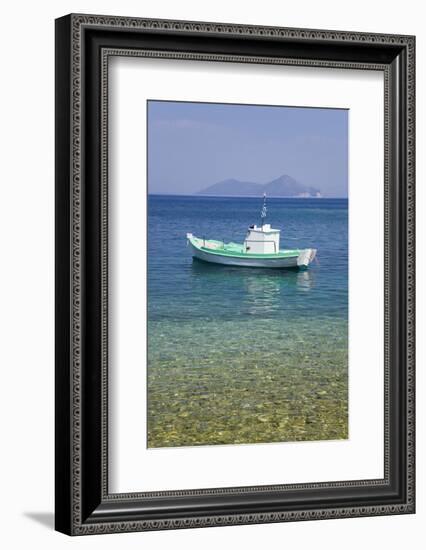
[(261, 290)]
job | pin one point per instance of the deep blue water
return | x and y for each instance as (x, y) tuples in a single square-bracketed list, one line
[(183, 289)]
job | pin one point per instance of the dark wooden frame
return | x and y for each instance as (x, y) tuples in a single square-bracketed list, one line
[(83, 46)]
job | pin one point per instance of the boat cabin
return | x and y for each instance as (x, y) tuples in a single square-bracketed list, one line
[(262, 240)]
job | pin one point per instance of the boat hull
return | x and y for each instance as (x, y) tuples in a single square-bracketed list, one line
[(300, 261)]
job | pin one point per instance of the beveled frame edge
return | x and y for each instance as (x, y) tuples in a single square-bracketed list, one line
[(69, 222)]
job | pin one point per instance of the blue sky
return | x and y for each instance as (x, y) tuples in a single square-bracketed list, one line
[(194, 145)]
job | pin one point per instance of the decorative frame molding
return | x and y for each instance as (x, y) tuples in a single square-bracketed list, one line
[(84, 44)]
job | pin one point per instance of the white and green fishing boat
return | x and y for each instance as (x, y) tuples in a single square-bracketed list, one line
[(261, 248)]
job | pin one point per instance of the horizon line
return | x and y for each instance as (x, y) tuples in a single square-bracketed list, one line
[(198, 194)]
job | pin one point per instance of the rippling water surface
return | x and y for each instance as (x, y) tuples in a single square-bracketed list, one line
[(246, 355)]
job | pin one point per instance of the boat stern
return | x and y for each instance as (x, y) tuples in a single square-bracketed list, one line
[(305, 257)]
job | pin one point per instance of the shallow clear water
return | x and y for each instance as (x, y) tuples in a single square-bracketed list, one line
[(245, 355)]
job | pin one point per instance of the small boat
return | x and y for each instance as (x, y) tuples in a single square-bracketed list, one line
[(261, 248)]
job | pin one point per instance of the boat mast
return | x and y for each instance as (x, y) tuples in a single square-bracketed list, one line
[(263, 211)]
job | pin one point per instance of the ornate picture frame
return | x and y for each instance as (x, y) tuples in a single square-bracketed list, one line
[(84, 44)]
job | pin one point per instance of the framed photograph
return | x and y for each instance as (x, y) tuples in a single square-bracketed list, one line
[(234, 274)]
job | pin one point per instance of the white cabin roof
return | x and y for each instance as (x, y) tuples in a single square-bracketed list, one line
[(266, 228)]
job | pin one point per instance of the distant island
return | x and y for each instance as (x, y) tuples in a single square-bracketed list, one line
[(284, 186)]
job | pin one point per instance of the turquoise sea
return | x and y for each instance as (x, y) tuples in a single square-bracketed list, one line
[(246, 355)]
